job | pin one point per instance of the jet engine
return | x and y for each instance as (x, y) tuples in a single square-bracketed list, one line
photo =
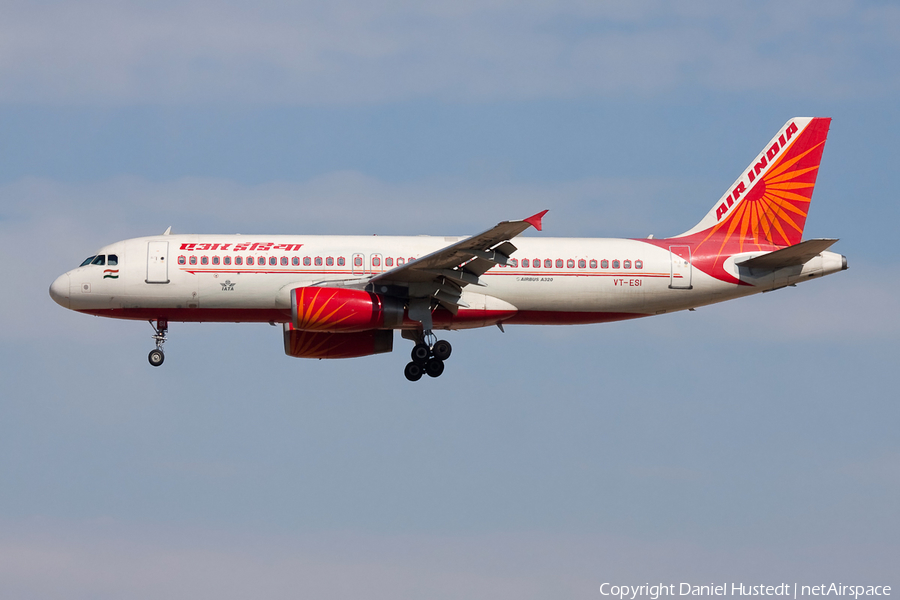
[(324, 344), (342, 310)]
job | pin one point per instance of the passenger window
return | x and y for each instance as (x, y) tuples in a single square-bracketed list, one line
[(525, 262), (638, 264), (215, 260), (295, 261), (581, 263), (329, 262), (238, 260), (318, 261), (357, 261), (99, 260), (341, 261), (604, 264), (514, 262), (284, 261), (87, 261), (389, 262), (400, 261), (548, 264), (593, 263), (204, 260), (570, 264), (307, 261), (616, 264), (249, 260), (112, 260), (559, 263), (273, 261), (226, 260), (626, 264), (182, 260), (193, 260)]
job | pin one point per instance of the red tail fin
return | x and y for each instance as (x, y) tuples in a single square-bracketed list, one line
[(768, 204)]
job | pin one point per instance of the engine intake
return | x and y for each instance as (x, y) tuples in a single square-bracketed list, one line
[(342, 310)]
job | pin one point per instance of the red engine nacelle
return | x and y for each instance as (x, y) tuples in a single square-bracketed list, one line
[(343, 310), (324, 344)]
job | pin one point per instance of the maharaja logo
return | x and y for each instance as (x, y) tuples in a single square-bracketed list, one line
[(227, 286), (111, 274)]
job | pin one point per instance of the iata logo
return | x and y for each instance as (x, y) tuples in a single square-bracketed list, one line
[(227, 286), (764, 162)]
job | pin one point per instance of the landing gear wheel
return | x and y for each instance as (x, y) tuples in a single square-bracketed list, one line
[(434, 367), (156, 357), (442, 349), (413, 371), (420, 354)]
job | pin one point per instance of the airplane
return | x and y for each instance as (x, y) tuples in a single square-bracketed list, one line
[(343, 296)]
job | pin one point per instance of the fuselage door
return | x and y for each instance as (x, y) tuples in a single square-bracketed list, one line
[(157, 262), (680, 275)]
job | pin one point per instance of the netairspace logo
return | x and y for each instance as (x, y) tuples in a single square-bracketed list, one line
[(654, 592)]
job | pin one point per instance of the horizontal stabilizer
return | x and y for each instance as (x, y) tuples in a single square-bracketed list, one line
[(797, 254)]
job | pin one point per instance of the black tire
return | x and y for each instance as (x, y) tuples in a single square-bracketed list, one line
[(156, 357), (442, 349), (413, 371), (420, 354), (434, 367)]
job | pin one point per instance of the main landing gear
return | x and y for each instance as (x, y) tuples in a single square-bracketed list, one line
[(156, 357), (427, 359)]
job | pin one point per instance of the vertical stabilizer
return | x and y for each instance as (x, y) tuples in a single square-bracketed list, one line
[(768, 204)]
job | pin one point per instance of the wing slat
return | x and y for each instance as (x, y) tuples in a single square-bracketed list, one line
[(462, 262)]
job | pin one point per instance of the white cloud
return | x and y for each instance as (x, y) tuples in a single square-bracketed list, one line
[(854, 306), (344, 202), (352, 51)]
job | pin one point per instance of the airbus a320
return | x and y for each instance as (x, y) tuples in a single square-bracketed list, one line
[(344, 296)]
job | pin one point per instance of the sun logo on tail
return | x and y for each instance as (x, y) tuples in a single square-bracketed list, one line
[(773, 211)]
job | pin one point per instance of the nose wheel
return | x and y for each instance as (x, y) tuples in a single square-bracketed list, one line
[(427, 359), (157, 356)]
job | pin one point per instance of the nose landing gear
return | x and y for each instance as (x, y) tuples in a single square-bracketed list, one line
[(156, 357), (427, 359)]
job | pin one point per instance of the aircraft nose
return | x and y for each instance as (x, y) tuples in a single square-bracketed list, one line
[(59, 290)]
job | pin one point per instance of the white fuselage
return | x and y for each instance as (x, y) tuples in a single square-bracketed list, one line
[(233, 278)]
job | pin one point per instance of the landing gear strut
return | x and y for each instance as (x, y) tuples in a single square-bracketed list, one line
[(427, 358), (156, 357)]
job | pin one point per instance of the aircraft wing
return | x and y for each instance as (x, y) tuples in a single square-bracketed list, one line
[(443, 274), (791, 256)]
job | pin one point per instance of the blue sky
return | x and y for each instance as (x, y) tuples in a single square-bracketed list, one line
[(750, 440)]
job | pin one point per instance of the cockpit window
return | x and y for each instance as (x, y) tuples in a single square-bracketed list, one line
[(87, 261), (100, 260), (112, 259)]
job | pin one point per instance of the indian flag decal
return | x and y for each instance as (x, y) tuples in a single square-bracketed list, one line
[(111, 274)]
